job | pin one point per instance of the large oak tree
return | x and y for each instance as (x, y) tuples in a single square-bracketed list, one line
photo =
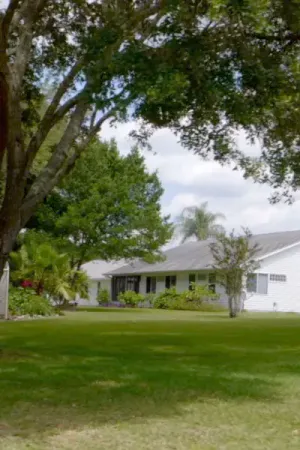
[(205, 68)]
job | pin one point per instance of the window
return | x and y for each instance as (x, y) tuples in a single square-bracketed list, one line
[(212, 282), (150, 285), (211, 278), (277, 277), (192, 279), (251, 282), (257, 283), (133, 284), (170, 281), (98, 287)]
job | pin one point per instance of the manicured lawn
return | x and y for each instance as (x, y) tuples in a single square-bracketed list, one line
[(149, 380)]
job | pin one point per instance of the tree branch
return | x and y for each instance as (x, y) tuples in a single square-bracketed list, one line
[(61, 162), (48, 119), (8, 16), (31, 11), (289, 37), (66, 107), (40, 187)]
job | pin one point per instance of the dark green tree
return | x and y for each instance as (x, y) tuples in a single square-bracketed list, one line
[(107, 208), (204, 68)]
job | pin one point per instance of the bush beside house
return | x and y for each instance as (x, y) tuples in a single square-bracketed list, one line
[(131, 299), (198, 298), (103, 297)]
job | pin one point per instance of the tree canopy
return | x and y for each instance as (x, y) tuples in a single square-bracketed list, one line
[(108, 207), (206, 69)]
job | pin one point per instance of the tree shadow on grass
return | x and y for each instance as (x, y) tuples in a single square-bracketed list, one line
[(56, 377)]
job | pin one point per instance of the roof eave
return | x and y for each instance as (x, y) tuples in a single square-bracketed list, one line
[(280, 250)]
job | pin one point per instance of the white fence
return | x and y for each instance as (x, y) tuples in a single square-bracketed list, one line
[(4, 284)]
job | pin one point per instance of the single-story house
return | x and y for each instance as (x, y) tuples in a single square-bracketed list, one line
[(96, 271), (274, 287)]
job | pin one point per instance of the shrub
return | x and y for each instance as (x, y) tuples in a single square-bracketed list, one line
[(103, 297), (196, 299), (165, 298), (130, 298), (150, 299), (26, 302), (199, 294)]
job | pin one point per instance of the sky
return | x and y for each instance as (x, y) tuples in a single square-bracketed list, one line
[(189, 181)]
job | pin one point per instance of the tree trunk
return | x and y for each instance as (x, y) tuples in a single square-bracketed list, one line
[(232, 307), (9, 229)]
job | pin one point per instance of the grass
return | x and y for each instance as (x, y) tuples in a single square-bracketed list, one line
[(143, 380)]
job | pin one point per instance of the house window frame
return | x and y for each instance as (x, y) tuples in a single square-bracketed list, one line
[(98, 287), (151, 285), (257, 275), (170, 281), (194, 276)]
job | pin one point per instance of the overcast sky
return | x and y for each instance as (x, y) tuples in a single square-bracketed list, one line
[(188, 181)]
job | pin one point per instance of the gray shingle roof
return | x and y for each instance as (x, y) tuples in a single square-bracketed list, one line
[(97, 269), (197, 256)]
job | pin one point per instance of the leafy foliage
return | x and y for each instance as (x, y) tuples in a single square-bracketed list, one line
[(103, 297), (130, 298), (165, 298), (26, 302), (48, 271), (107, 208), (198, 222), (198, 298), (234, 258), (199, 294)]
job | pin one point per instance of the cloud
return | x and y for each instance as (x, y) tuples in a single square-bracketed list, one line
[(3, 4), (188, 180)]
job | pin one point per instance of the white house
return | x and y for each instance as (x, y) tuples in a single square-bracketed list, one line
[(96, 271), (275, 286)]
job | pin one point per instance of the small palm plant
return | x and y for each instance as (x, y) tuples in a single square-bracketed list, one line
[(49, 272)]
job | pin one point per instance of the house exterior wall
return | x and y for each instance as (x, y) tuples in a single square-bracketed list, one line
[(93, 290), (281, 296), (182, 284)]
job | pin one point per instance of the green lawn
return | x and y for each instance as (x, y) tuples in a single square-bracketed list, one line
[(135, 380)]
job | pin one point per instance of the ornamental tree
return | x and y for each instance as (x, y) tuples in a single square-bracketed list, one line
[(234, 258)]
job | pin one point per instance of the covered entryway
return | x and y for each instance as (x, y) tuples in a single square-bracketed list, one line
[(122, 284)]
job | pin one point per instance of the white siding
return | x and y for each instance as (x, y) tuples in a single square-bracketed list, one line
[(93, 287), (282, 296)]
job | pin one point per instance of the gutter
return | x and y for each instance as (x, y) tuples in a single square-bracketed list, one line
[(288, 247)]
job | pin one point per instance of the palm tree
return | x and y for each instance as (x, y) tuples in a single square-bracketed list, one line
[(49, 271), (198, 222)]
